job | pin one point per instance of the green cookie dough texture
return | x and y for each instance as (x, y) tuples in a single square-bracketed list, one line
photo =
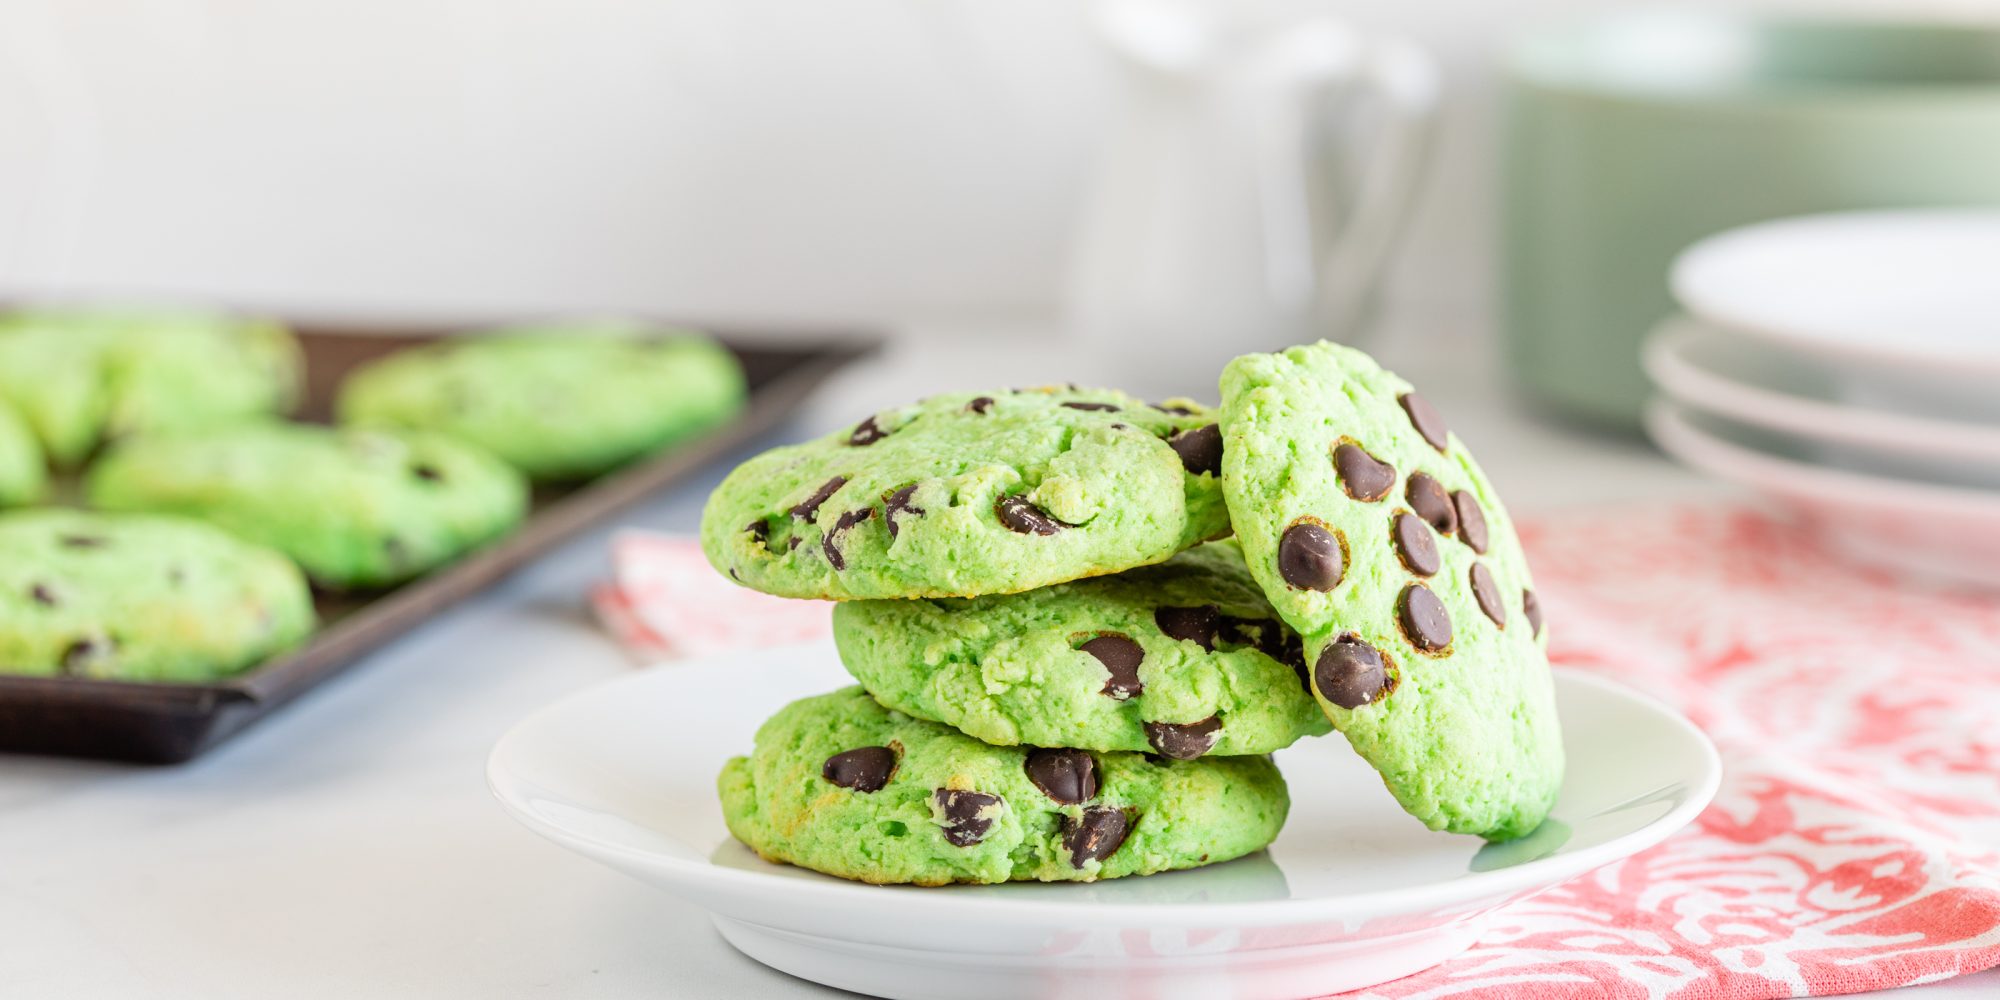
[(141, 598), (968, 493), (24, 476), (953, 809), (354, 507), (555, 402), (1008, 669), (81, 377), (1464, 733)]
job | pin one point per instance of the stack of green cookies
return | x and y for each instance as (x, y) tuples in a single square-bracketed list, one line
[(1067, 672)]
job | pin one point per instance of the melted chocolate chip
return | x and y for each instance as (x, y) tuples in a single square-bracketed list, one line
[(1428, 498), (1176, 409), (1424, 417), (1200, 449), (85, 653), (810, 506), (1184, 741), (1120, 656), (1425, 621), (1196, 625), (1311, 557), (866, 433), (1351, 673), (967, 815), (1093, 407), (898, 504), (1471, 521), (427, 473), (760, 532), (1487, 593), (1096, 836), (865, 769), (1531, 608), (1415, 544), (82, 542), (1065, 776), (43, 595), (1362, 476), (1018, 514), (831, 543), (980, 404)]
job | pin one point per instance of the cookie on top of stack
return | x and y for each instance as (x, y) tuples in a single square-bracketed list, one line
[(1065, 675)]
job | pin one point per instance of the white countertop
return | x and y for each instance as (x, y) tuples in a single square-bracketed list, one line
[(347, 848)]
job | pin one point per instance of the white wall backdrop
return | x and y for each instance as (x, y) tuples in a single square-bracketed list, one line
[(726, 159)]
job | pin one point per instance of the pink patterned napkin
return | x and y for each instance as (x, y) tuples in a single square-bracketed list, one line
[(1855, 843)]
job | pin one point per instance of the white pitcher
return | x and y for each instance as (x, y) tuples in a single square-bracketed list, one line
[(1249, 188)]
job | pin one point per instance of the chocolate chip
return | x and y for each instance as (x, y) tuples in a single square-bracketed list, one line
[(866, 433), (427, 473), (1362, 476), (1096, 836), (899, 503), (1425, 621), (1487, 593), (831, 543), (1428, 498), (1471, 521), (82, 542), (1200, 449), (1424, 417), (1176, 409), (1065, 776), (1311, 557), (1121, 656), (1414, 543), (1351, 673), (980, 404), (1531, 607), (1196, 625), (1095, 407), (1184, 741), (810, 505), (84, 654), (43, 595), (1018, 514), (760, 532), (968, 815), (865, 769)]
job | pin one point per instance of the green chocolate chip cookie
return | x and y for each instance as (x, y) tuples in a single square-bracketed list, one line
[(555, 402), (141, 598), (355, 508), (1376, 536), (841, 785), (1185, 658), (81, 377), (24, 476), (967, 494)]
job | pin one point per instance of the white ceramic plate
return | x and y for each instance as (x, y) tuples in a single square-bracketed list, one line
[(1718, 372), (1904, 304), (1933, 530), (1353, 893)]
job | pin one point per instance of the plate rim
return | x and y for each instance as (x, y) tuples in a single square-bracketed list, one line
[(1803, 338), (1664, 356), (1470, 889)]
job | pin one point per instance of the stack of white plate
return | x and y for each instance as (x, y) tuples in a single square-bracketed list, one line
[(1848, 367)]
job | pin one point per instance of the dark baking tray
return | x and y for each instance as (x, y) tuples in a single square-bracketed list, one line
[(170, 723)]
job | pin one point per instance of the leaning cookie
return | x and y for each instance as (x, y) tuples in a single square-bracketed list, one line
[(24, 476), (1185, 658), (1376, 536), (354, 508), (555, 402), (841, 785), (967, 494), (82, 377), (141, 598)]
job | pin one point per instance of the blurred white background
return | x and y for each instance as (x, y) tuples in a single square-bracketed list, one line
[(899, 161)]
